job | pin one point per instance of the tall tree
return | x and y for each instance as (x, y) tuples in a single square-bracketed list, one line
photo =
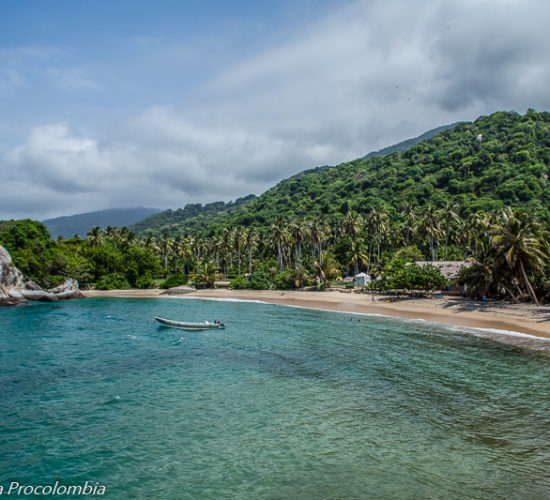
[(279, 238), (327, 268), (430, 227), (521, 242), (165, 247), (352, 225), (95, 236), (449, 216)]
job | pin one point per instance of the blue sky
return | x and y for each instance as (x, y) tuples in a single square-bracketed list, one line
[(117, 103)]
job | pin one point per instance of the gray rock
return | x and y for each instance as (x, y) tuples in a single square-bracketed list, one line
[(67, 290), (43, 296), (15, 288)]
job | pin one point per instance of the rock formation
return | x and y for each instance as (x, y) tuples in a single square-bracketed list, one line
[(14, 288)]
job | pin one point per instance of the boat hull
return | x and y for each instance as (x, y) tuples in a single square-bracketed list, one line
[(183, 325)]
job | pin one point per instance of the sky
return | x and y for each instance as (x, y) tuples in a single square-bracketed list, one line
[(107, 104)]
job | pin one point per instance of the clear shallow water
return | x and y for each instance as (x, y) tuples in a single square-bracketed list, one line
[(285, 403)]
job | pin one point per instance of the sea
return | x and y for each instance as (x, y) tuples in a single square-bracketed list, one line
[(285, 403)]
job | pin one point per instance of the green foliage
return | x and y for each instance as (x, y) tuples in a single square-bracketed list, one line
[(284, 280), (206, 274), (452, 197), (239, 283), (32, 251), (177, 279), (497, 161), (455, 253), (115, 281), (260, 280), (400, 274), (410, 253), (145, 281), (191, 217)]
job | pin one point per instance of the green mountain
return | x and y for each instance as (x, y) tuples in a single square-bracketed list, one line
[(409, 143), (496, 161), (80, 224), (190, 217)]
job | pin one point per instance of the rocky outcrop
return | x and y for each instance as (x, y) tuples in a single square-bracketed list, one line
[(14, 288)]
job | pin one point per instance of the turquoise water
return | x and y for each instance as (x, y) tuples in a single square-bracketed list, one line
[(286, 403)]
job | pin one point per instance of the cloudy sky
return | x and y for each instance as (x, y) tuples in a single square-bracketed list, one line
[(135, 103)]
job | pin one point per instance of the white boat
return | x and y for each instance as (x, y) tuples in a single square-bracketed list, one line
[(185, 325)]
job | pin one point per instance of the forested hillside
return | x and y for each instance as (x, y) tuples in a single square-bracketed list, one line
[(191, 216), (409, 143), (478, 193), (498, 160)]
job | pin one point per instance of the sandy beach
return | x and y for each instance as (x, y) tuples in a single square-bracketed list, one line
[(451, 310)]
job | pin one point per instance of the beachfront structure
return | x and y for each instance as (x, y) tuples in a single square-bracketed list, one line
[(362, 279), (448, 268)]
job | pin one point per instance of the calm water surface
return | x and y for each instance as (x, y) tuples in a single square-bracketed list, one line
[(285, 403)]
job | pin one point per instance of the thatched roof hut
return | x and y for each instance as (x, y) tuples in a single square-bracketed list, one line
[(448, 268)]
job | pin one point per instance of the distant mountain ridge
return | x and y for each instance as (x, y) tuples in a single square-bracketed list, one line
[(409, 143), (80, 224)]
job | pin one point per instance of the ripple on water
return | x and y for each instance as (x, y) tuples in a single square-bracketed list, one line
[(285, 403)]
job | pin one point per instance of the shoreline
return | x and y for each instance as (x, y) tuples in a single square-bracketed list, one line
[(525, 319)]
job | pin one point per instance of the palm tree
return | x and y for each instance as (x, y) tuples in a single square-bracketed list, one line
[(377, 223), (430, 226), (449, 214), (410, 216), (206, 274), (151, 243), (318, 234), (165, 247), (521, 242), (251, 241), (198, 246), (95, 236), (114, 234), (182, 250), (352, 225), (300, 275), (478, 226), (279, 238), (358, 255), (299, 234), (130, 239), (227, 249), (327, 268), (216, 245), (240, 241)]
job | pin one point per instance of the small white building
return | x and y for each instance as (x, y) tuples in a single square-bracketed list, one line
[(362, 279)]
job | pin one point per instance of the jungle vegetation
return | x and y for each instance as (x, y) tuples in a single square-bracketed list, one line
[(478, 192)]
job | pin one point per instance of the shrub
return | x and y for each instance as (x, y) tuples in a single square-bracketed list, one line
[(145, 282), (284, 280), (177, 279), (259, 280), (114, 281), (239, 283)]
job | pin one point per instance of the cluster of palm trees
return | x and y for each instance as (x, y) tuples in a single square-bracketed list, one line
[(510, 255), (509, 248)]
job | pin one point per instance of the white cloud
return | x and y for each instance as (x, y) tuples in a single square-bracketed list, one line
[(369, 74)]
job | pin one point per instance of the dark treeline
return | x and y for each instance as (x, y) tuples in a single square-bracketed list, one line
[(507, 253)]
